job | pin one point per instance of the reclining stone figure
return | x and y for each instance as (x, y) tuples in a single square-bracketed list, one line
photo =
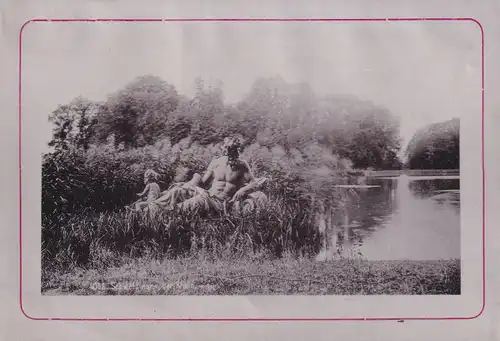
[(233, 184)]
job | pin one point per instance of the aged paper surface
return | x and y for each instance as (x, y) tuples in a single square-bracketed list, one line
[(322, 108)]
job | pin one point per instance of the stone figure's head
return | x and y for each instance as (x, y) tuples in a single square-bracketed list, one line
[(232, 147), (183, 174), (151, 176)]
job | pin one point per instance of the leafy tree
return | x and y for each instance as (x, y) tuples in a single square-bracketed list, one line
[(136, 115), (207, 105), (436, 146), (276, 112), (273, 113), (366, 134), (179, 123), (73, 124), (263, 107)]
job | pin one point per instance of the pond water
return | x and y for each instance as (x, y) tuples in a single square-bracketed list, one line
[(406, 217)]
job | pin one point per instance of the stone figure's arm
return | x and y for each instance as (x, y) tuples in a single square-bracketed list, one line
[(248, 180), (146, 189), (195, 180), (248, 177), (208, 173)]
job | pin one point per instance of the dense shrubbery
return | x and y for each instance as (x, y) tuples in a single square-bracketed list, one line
[(83, 237), (103, 179), (302, 143), (84, 193)]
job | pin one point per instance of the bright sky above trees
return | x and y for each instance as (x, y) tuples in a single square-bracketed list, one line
[(424, 72)]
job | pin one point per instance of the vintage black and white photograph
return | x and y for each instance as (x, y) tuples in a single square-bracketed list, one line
[(244, 158)]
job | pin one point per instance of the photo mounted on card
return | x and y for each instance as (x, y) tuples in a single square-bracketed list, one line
[(264, 169)]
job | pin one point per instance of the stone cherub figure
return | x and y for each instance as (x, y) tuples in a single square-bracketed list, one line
[(151, 190)]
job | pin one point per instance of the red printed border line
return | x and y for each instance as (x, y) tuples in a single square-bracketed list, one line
[(253, 20)]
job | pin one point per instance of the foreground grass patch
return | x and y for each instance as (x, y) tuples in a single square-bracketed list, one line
[(190, 276)]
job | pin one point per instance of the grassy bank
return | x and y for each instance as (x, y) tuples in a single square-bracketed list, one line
[(258, 275), (95, 240), (269, 252)]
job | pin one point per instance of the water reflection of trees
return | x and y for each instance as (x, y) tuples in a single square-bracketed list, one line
[(366, 212), (429, 188), (440, 191), (372, 207)]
